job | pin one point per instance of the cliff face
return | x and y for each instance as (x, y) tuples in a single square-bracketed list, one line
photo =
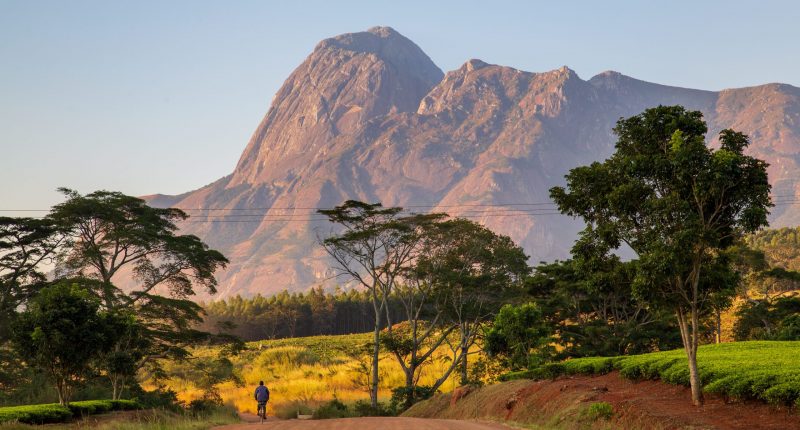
[(368, 116)]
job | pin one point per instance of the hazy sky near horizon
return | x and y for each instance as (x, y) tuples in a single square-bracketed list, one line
[(161, 96)]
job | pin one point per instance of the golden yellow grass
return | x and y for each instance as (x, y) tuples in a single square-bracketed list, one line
[(309, 371)]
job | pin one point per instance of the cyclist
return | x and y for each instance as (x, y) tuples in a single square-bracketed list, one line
[(262, 397)]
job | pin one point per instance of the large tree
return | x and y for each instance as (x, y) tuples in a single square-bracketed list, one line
[(111, 237), (373, 248), (110, 232), (676, 202)]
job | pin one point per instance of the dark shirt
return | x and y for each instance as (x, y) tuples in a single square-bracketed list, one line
[(262, 393)]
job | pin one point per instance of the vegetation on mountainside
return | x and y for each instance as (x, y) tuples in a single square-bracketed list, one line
[(286, 315)]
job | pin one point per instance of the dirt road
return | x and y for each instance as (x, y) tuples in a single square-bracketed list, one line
[(373, 423)]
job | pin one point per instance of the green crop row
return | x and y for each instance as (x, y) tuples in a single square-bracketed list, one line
[(763, 370), (54, 413)]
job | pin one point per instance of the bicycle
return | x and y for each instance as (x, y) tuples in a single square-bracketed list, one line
[(262, 411)]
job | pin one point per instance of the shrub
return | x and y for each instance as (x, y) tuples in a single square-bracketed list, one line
[(600, 410), (400, 397), (363, 408), (159, 398), (35, 414), (53, 413), (201, 407), (332, 409)]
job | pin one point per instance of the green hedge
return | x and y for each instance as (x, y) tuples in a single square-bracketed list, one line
[(762, 370), (35, 414), (54, 413)]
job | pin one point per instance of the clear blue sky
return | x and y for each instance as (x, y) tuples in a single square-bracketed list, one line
[(162, 96)]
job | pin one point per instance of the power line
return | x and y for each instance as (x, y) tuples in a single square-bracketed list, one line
[(781, 200)]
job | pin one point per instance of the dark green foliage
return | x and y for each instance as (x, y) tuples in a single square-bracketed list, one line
[(590, 304), (366, 409), (35, 414), (762, 370), (26, 244), (109, 230), (288, 315), (768, 319), (63, 333), (53, 413), (517, 335), (204, 406), (677, 203), (160, 398), (332, 409), (404, 397), (108, 233)]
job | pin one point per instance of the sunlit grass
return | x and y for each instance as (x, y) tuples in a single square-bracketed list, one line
[(310, 371)]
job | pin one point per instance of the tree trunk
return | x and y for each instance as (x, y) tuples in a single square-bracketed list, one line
[(464, 354), (410, 391), (694, 378), (688, 330), (376, 350), (718, 314), (117, 385)]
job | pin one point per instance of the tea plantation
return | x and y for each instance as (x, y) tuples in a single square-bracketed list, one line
[(763, 370)]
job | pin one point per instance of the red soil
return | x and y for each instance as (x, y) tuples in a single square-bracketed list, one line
[(671, 406), (637, 405)]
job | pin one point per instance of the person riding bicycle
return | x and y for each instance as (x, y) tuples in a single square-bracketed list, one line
[(262, 397)]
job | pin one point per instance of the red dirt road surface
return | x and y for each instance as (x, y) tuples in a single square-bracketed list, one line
[(372, 423)]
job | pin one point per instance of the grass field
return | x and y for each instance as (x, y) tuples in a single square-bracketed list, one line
[(305, 372), (763, 370)]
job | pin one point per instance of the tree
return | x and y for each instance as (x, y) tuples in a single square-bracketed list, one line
[(111, 235), (591, 308), (475, 271), (516, 335), (63, 333), (374, 248), (770, 318), (109, 232), (674, 201), (124, 358), (25, 245)]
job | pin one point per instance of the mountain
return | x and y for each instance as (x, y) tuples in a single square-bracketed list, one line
[(369, 116)]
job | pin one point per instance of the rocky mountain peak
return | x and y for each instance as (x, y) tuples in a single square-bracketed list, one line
[(369, 116), (346, 81)]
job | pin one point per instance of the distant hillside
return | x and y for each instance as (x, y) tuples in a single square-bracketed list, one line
[(369, 116)]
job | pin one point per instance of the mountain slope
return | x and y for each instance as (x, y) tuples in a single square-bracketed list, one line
[(369, 116)]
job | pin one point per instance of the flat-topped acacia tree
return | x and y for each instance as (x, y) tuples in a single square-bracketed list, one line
[(676, 202), (110, 235)]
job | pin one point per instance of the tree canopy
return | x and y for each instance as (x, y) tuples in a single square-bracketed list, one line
[(676, 202)]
